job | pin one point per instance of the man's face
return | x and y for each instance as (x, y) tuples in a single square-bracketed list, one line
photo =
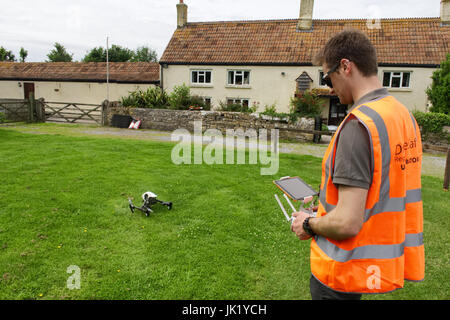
[(339, 82)]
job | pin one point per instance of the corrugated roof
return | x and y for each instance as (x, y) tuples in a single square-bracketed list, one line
[(123, 72), (406, 41)]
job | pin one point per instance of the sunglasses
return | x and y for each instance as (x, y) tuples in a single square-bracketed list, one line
[(326, 77)]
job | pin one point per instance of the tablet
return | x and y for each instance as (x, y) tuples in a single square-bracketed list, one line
[(295, 188)]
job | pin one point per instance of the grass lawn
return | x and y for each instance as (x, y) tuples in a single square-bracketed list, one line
[(63, 202)]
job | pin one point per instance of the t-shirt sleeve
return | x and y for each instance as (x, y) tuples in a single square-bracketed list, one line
[(353, 162)]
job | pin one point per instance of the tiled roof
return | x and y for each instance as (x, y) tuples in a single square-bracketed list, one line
[(122, 72), (408, 41)]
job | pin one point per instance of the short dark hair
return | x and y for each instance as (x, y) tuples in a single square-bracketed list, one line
[(353, 45)]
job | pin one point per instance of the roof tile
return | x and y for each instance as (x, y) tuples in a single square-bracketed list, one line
[(419, 41), (131, 72)]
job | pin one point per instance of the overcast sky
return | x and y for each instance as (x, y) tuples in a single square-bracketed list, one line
[(81, 25)]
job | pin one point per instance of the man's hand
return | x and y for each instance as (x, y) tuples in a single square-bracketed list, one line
[(297, 226)]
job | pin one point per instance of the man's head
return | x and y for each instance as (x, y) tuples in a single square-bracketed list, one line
[(347, 58)]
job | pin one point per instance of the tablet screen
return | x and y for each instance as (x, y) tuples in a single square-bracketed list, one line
[(295, 188)]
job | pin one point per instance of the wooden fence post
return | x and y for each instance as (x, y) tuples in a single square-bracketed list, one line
[(105, 106), (32, 104), (447, 171)]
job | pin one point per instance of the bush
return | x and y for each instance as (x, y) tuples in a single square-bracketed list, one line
[(308, 105), (236, 107), (439, 92), (181, 99), (432, 123), (272, 111), (2, 117), (153, 97)]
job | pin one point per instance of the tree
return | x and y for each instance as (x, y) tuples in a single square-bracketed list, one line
[(121, 54), (23, 54), (439, 92), (145, 54), (115, 54), (95, 55), (59, 54), (6, 55)]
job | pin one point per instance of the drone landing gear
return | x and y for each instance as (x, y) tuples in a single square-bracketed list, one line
[(148, 202)]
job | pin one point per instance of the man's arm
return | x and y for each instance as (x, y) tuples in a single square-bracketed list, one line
[(343, 222)]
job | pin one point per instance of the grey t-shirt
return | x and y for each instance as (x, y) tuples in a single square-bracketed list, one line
[(353, 165)]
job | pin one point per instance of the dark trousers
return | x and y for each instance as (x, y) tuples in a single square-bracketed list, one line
[(322, 292)]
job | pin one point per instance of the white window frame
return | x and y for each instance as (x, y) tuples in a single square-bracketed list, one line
[(203, 72), (238, 72), (399, 75)]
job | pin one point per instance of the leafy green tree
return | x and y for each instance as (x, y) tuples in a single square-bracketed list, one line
[(98, 54), (115, 54), (6, 55), (59, 54), (145, 54), (23, 54), (121, 54), (439, 92)]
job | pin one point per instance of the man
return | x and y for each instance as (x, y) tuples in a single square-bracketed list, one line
[(368, 233)]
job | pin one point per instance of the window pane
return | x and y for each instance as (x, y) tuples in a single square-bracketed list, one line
[(395, 82), (246, 77), (194, 76), (386, 79), (208, 101), (230, 101), (245, 103), (238, 79), (201, 77), (406, 77), (208, 76), (230, 77)]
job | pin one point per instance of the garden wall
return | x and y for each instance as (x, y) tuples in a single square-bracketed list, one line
[(170, 120)]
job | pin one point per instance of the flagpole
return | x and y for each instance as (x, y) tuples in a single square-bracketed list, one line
[(107, 68)]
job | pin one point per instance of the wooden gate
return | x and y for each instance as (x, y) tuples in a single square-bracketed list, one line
[(69, 112), (15, 110)]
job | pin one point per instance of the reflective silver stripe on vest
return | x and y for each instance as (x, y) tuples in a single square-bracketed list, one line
[(394, 204), (385, 149), (414, 239), (390, 251)]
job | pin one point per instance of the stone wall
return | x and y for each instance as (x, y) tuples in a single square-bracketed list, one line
[(170, 120)]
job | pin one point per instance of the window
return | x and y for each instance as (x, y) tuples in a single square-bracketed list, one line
[(201, 76), (243, 102), (238, 78), (207, 101), (396, 79)]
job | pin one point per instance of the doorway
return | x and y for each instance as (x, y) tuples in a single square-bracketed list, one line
[(27, 88), (338, 112)]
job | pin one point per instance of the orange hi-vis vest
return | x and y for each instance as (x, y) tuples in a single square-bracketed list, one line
[(389, 248)]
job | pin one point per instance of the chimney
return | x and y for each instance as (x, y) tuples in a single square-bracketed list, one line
[(306, 12), (445, 12), (181, 14)]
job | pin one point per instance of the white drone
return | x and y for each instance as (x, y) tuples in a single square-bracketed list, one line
[(149, 199)]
